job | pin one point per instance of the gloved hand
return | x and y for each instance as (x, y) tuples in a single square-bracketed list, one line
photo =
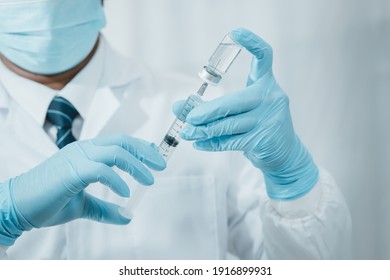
[(53, 192), (256, 120)]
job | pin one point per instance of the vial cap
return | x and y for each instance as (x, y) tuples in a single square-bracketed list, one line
[(209, 77)]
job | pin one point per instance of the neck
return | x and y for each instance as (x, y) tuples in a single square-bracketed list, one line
[(56, 81)]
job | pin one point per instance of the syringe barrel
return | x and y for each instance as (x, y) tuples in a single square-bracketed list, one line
[(172, 138), (166, 148), (220, 60)]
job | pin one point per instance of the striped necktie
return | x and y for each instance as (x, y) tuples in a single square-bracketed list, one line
[(61, 114)]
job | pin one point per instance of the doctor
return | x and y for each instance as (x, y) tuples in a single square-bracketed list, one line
[(60, 81)]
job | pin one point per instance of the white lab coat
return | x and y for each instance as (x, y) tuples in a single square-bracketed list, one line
[(203, 206)]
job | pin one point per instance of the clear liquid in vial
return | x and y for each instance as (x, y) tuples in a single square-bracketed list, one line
[(223, 57)]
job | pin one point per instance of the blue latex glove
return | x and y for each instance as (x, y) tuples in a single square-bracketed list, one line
[(256, 120), (53, 192)]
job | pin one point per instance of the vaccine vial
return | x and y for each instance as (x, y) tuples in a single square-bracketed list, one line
[(220, 60)]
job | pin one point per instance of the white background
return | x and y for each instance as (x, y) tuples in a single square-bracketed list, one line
[(331, 57)]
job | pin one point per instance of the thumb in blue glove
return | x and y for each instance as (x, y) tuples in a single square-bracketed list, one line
[(257, 121), (53, 192)]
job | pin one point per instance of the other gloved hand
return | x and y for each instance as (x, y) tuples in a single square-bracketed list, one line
[(256, 120), (53, 192)]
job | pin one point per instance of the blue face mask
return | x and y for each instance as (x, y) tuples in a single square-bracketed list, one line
[(49, 36)]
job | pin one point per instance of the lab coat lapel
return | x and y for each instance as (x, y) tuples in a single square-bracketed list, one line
[(23, 127), (4, 99), (103, 107)]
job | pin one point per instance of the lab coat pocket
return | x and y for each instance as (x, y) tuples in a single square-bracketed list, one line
[(177, 219)]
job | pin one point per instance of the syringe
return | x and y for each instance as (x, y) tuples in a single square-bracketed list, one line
[(218, 65), (172, 138)]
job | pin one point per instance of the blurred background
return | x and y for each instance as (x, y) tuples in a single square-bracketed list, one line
[(331, 57)]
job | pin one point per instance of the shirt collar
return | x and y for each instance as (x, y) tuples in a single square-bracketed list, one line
[(35, 98), (80, 91)]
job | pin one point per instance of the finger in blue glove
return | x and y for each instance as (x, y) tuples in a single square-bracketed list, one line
[(53, 192)]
